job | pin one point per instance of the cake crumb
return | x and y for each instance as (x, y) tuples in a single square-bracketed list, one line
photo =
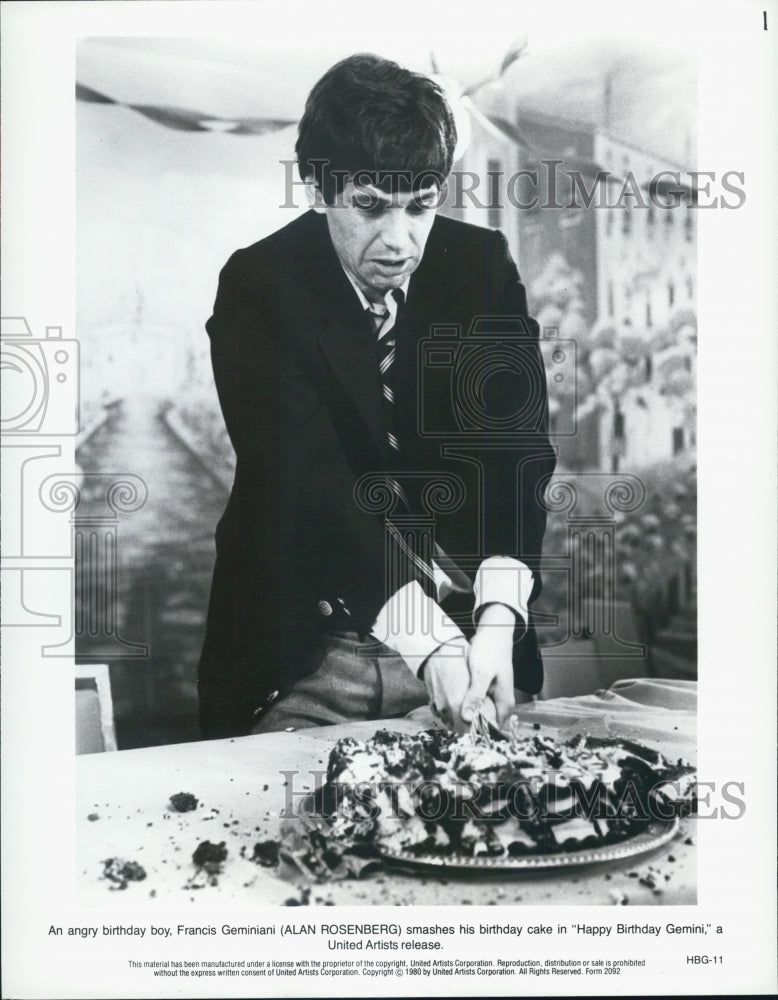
[(183, 802), (266, 853), (122, 872)]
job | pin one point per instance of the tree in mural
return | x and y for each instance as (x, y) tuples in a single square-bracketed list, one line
[(620, 368), (675, 368), (614, 361)]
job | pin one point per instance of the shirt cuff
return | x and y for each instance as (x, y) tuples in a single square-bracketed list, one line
[(414, 625), (503, 580)]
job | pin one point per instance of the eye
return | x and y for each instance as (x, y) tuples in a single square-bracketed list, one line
[(424, 202), (368, 203)]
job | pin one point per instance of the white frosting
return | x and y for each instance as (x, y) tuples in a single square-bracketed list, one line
[(536, 760), (576, 828)]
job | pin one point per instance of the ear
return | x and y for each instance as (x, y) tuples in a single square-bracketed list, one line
[(314, 196)]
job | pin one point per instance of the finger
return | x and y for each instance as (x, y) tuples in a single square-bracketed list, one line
[(489, 709), (429, 683), (479, 685), (475, 695), (471, 705), (456, 696), (504, 697), (446, 686), (458, 724), (453, 717)]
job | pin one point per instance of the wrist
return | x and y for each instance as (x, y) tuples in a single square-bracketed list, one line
[(496, 630)]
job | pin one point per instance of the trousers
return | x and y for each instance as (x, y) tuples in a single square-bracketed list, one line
[(349, 684)]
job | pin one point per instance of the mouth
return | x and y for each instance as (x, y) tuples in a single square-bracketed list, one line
[(391, 265)]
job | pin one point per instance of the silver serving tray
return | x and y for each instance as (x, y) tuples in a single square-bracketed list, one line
[(657, 834)]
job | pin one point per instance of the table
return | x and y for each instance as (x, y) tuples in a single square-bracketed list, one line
[(244, 784)]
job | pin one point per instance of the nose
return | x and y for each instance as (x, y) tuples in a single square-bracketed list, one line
[(396, 234)]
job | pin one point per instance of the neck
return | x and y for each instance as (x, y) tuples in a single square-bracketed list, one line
[(371, 294)]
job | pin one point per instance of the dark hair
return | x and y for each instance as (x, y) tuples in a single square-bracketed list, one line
[(368, 115)]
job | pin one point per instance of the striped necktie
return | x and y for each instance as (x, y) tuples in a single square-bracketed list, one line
[(384, 324)]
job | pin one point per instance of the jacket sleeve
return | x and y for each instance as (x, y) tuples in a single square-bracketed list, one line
[(244, 356), (514, 509), (517, 447), (238, 665)]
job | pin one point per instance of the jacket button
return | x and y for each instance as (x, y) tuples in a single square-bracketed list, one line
[(325, 608)]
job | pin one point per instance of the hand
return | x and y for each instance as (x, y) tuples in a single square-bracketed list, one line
[(447, 678), (490, 662)]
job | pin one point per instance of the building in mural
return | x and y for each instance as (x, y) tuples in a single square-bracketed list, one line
[(605, 236)]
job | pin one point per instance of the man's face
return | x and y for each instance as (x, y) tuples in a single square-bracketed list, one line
[(379, 236)]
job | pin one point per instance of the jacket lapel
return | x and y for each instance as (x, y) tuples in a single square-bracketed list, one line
[(345, 336), (427, 295), (348, 347)]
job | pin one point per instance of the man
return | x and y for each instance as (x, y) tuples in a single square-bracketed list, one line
[(386, 503)]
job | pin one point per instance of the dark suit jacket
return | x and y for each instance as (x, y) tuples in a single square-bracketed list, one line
[(294, 360)]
